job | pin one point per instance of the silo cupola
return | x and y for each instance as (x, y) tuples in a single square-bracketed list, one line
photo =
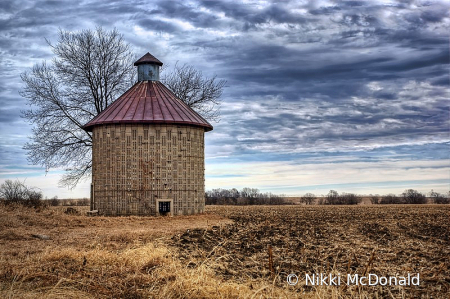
[(148, 68)]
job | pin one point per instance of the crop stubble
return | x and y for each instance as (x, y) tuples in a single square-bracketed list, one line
[(208, 256), (383, 240)]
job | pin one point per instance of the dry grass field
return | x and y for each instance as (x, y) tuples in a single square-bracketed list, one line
[(223, 253)]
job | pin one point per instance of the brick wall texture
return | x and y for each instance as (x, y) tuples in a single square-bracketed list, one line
[(136, 165)]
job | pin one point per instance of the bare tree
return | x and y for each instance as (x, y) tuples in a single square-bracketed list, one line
[(374, 199), (439, 198), (412, 196), (198, 92), (308, 198), (332, 197), (90, 70)]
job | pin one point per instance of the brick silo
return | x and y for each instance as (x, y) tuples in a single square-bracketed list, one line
[(148, 151)]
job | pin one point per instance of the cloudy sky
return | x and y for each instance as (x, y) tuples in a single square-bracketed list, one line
[(344, 95)]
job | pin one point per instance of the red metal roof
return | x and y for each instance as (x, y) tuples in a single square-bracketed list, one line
[(148, 102), (148, 58)]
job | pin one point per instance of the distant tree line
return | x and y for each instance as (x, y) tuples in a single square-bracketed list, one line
[(17, 192), (247, 196), (69, 202), (411, 196), (252, 196)]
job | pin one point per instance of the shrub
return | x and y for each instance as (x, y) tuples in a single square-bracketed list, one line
[(54, 201), (72, 211), (441, 199), (349, 199), (83, 202), (17, 192), (34, 199)]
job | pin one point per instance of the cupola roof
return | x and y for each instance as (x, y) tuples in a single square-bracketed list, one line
[(148, 59)]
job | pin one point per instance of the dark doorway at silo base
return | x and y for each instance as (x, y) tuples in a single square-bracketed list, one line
[(164, 208)]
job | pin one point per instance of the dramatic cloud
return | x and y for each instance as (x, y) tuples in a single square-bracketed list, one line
[(362, 85)]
